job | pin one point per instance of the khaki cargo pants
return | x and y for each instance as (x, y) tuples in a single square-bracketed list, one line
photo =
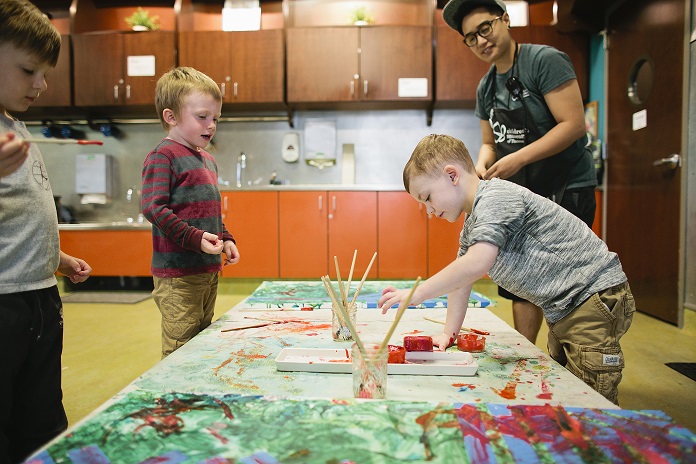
[(187, 305), (586, 341)]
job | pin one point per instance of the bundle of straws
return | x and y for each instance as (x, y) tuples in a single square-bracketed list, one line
[(342, 304)]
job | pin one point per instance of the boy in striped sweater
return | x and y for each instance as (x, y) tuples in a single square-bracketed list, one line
[(180, 197)]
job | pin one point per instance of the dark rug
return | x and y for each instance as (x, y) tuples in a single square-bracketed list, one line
[(688, 369), (118, 297)]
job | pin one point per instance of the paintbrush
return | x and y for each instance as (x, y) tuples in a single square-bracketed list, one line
[(253, 326), (367, 271), (402, 308), (350, 275), (341, 289), (65, 141), (466, 329)]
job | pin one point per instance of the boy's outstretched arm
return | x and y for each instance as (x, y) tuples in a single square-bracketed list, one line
[(457, 304), (13, 152), (76, 269)]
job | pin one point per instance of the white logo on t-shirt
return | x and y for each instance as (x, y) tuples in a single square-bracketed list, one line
[(499, 131)]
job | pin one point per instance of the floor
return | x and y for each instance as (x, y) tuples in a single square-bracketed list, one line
[(107, 346)]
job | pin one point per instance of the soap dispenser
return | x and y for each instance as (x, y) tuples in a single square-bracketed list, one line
[(291, 147)]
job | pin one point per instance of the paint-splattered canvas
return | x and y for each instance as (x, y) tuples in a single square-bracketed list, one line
[(190, 428), (312, 294)]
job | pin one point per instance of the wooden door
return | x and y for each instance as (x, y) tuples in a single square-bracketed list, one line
[(98, 69), (252, 218), (352, 226), (403, 236), (303, 234), (208, 52), (389, 53), (58, 81), (322, 64), (257, 67), (646, 52), (443, 242), (458, 70), (140, 90)]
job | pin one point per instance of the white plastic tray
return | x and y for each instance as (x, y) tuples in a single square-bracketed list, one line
[(338, 360)]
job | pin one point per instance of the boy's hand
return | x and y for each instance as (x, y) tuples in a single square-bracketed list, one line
[(443, 341), (74, 268), (13, 153), (391, 296), (211, 244), (231, 252)]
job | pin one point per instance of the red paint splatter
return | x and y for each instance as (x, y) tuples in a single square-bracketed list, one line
[(545, 391), (509, 392)]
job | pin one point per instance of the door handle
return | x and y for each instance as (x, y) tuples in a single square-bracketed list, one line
[(673, 162)]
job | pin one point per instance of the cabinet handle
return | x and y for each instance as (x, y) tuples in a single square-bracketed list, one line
[(116, 92), (321, 200), (352, 89), (224, 203), (235, 89), (128, 92), (365, 86), (333, 203), (222, 88)]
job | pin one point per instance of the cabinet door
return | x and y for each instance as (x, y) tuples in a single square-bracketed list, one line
[(98, 69), (208, 52), (252, 218), (352, 226), (58, 80), (443, 242), (119, 253), (403, 238), (389, 53), (458, 70), (257, 67), (140, 90), (322, 63), (303, 234)]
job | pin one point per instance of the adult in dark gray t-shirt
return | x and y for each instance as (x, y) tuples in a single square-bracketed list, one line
[(532, 122)]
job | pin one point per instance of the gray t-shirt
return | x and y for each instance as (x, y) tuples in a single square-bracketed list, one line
[(29, 243), (540, 69), (547, 255)]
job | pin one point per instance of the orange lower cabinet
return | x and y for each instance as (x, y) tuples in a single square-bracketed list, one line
[(352, 218), (111, 252), (252, 218), (403, 237), (443, 243), (303, 234)]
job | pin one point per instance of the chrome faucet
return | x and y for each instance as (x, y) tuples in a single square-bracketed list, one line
[(241, 167)]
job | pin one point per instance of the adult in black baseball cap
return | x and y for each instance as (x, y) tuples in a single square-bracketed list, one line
[(532, 121)]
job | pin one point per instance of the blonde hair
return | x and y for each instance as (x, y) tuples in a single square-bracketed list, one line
[(27, 28), (177, 84), (432, 153)]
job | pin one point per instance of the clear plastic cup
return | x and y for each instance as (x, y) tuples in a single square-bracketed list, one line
[(370, 372)]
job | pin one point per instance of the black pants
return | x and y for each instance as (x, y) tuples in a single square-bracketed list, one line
[(582, 203), (31, 399)]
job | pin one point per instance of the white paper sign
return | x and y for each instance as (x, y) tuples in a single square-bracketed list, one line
[(410, 87), (91, 173), (640, 120), (141, 65)]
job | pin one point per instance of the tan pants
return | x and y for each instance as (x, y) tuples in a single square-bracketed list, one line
[(187, 305), (586, 341)]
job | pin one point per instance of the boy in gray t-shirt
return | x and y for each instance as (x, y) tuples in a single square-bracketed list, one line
[(531, 246)]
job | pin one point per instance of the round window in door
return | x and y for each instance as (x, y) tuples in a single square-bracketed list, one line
[(640, 81)]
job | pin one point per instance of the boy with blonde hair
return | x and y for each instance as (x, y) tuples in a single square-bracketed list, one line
[(532, 246), (31, 312), (180, 197)]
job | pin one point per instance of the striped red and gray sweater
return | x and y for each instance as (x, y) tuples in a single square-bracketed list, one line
[(180, 197)]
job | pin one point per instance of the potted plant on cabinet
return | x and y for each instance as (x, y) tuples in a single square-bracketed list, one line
[(141, 20), (361, 17)]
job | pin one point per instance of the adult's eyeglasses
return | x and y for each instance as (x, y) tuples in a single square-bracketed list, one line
[(484, 30)]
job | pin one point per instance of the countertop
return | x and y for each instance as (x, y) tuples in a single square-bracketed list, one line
[(315, 187)]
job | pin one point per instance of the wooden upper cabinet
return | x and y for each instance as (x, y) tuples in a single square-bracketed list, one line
[(58, 81), (345, 64), (322, 64), (112, 68), (391, 53), (248, 66), (459, 71)]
